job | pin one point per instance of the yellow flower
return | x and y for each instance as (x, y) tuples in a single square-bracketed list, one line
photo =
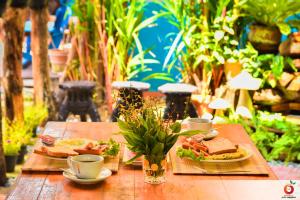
[(154, 167), (163, 163)]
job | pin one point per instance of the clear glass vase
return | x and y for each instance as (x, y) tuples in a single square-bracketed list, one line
[(154, 169)]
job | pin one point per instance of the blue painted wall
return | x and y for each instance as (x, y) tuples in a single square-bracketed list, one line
[(155, 38)]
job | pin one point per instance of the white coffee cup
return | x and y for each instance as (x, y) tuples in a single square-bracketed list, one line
[(201, 124), (86, 166)]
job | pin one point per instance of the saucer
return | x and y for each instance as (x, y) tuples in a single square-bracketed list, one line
[(208, 136), (212, 133), (105, 173)]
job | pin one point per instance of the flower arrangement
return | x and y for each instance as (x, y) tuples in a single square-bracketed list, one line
[(148, 134)]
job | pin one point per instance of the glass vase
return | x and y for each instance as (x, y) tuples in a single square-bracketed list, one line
[(154, 169)]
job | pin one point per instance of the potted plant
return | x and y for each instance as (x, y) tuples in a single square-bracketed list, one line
[(58, 59), (11, 151), (24, 135), (18, 133), (149, 135), (269, 21)]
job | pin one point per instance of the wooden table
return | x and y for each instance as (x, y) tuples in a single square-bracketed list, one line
[(128, 182)]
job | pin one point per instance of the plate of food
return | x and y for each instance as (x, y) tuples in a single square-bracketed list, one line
[(217, 150), (61, 149)]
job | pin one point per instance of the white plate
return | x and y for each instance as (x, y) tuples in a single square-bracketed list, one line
[(105, 173), (212, 134), (54, 158), (249, 154)]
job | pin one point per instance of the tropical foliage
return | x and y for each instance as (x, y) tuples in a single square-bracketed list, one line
[(206, 39), (272, 12), (107, 42), (267, 67), (264, 130)]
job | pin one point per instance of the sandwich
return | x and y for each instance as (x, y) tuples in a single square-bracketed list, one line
[(57, 152), (219, 146), (216, 149)]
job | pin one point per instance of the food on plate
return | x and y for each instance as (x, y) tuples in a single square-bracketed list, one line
[(41, 150), (70, 147), (60, 152), (227, 156), (91, 148), (75, 142), (47, 139), (112, 149), (198, 137), (57, 152), (219, 145), (215, 149)]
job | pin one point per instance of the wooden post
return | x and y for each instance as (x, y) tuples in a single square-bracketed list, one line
[(3, 177), (39, 47), (39, 53), (14, 18)]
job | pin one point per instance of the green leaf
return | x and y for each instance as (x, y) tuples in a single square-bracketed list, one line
[(284, 28), (188, 153), (158, 148), (219, 57), (148, 21), (159, 76), (190, 133), (219, 35), (176, 127), (133, 159), (172, 49), (161, 136), (123, 125)]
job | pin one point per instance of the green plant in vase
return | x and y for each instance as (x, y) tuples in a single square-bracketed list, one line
[(149, 135)]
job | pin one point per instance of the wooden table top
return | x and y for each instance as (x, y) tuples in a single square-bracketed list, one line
[(128, 182)]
